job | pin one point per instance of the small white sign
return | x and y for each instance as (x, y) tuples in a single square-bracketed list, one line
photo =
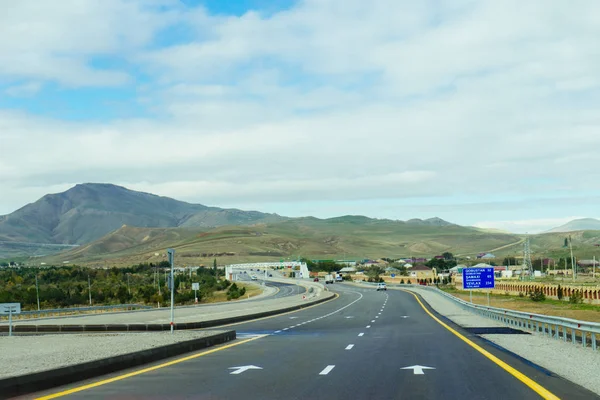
[(10, 308), (195, 286)]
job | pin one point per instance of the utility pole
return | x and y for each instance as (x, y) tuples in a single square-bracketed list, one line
[(572, 259), (594, 268), (37, 291), (90, 289), (128, 288), (171, 253)]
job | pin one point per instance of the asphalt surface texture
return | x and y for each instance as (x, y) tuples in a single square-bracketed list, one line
[(154, 315), (364, 344)]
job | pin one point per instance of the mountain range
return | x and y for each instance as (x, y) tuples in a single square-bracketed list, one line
[(87, 212), (93, 224)]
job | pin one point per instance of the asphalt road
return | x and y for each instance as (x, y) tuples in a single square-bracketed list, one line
[(354, 347), (206, 311)]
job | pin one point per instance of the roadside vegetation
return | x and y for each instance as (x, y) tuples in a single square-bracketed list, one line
[(60, 287)]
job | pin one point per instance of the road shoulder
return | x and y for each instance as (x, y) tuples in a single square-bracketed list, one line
[(565, 360)]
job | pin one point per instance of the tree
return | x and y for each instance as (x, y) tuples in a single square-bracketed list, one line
[(566, 244), (559, 292), (215, 270), (447, 256), (509, 261)]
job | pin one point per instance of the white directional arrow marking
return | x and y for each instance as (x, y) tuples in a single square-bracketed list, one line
[(418, 369), (239, 370)]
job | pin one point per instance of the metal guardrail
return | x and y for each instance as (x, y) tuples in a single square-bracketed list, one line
[(559, 328), (75, 310)]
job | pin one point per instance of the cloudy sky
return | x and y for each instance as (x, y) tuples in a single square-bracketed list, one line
[(479, 112)]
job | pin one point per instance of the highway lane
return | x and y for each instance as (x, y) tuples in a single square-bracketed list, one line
[(354, 347), (284, 291)]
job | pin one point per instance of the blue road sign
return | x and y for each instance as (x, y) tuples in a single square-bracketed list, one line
[(478, 278), (393, 275)]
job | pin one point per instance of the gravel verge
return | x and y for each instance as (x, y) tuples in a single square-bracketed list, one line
[(28, 354), (185, 314), (567, 360)]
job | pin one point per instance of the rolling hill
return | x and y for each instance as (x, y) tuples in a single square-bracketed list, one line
[(583, 224), (349, 237)]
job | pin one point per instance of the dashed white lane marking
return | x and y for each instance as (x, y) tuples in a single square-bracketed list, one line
[(361, 334), (323, 316), (378, 313), (368, 326), (377, 316), (327, 370), (349, 347), (372, 321)]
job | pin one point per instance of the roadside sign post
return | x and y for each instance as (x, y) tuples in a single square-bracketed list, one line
[(195, 288), (10, 309), (171, 254), (478, 278), (393, 275)]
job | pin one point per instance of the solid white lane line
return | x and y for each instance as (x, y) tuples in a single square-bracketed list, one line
[(361, 334), (349, 347), (327, 370), (368, 326)]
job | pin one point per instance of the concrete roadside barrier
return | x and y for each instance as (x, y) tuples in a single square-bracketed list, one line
[(68, 328), (38, 381)]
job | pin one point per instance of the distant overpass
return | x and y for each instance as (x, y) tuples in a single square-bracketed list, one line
[(266, 265)]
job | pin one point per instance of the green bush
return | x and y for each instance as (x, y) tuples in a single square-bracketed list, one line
[(401, 281), (576, 297), (235, 292), (537, 295)]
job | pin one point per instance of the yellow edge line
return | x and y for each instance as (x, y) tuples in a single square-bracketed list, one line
[(143, 371), (274, 316), (179, 360), (533, 385)]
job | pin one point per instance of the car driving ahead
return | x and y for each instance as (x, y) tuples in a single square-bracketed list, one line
[(381, 286)]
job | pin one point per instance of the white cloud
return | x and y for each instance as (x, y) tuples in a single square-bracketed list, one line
[(330, 100), (24, 90), (54, 41)]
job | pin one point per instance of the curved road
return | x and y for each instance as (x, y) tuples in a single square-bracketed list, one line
[(363, 345), (161, 315)]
